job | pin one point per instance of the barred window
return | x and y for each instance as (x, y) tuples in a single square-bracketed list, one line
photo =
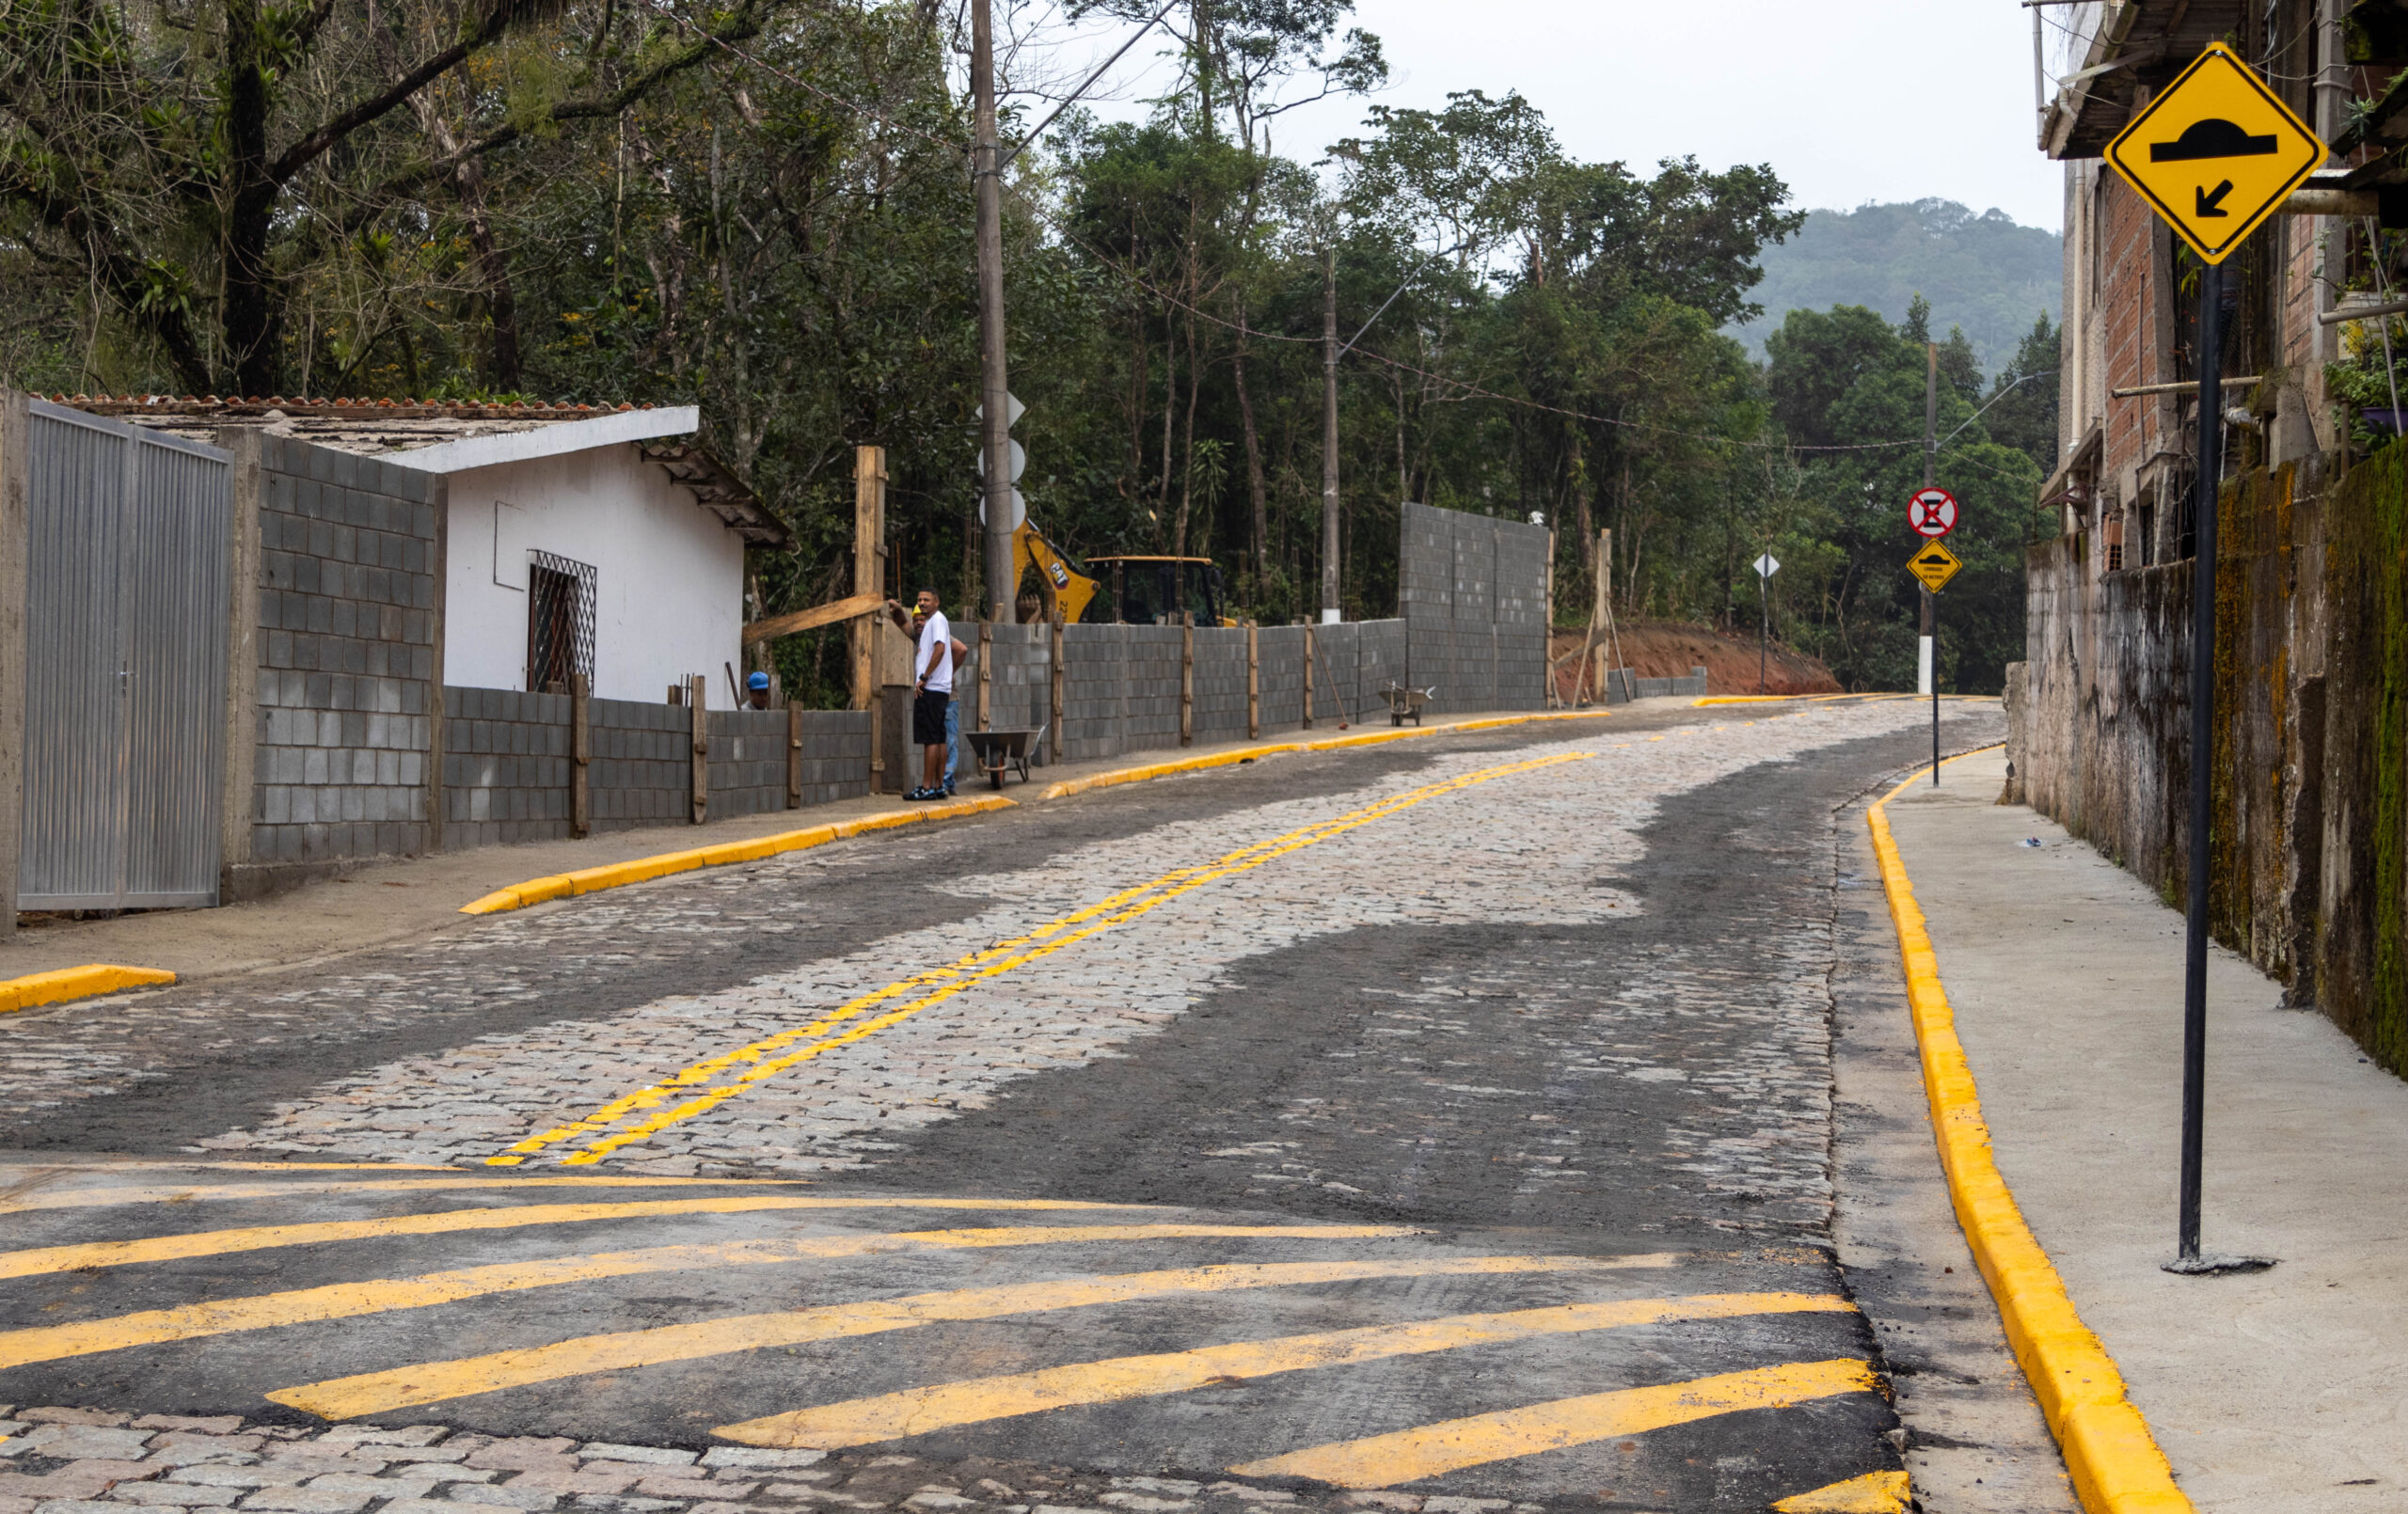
[(560, 623)]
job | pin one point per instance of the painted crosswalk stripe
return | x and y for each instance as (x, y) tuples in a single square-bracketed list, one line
[(434, 1381), (705, 1085), (918, 1411), (376, 1296), (1434, 1450), (85, 1198), (40, 1259)]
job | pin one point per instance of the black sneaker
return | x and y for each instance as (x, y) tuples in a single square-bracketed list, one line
[(916, 796), (948, 791)]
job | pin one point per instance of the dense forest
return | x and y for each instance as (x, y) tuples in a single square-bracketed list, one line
[(764, 208)]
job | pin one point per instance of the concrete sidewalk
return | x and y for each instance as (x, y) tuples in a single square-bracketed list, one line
[(382, 902), (2286, 1390)]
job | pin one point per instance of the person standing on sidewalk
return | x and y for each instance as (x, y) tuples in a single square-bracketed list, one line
[(931, 691), (952, 706)]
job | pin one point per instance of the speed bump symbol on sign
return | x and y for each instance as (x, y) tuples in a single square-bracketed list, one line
[(2216, 152), (1935, 565)]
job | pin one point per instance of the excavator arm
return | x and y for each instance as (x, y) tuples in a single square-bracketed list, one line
[(1069, 587)]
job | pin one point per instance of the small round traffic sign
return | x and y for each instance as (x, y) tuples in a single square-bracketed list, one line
[(1931, 513)]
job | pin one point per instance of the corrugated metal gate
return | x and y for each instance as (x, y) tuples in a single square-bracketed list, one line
[(128, 568)]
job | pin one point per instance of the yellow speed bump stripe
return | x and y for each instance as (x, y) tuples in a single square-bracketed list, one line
[(434, 1382), (1876, 1493), (343, 1301), (76, 983), (41, 1259), (1433, 1450), (644, 869), (2114, 1462), (705, 1085), (918, 1411)]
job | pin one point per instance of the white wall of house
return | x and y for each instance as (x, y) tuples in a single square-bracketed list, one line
[(669, 575)]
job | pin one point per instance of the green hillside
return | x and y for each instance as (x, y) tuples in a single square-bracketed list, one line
[(1983, 272)]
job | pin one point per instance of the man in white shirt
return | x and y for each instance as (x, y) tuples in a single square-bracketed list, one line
[(931, 692)]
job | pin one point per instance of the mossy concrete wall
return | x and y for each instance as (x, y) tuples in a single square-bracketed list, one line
[(2309, 770)]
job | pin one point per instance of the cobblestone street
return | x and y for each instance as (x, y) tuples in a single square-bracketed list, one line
[(1435, 1128)]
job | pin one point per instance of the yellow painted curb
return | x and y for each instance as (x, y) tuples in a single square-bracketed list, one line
[(1244, 754), (644, 869), (2114, 1462), (75, 982)]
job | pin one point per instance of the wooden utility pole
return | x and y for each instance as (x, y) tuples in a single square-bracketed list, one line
[(698, 690), (995, 421), (1309, 678), (580, 754), (1329, 437), (870, 581)]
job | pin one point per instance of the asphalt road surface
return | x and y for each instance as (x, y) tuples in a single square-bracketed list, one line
[(1442, 1126)]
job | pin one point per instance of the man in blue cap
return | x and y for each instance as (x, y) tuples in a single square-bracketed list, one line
[(756, 686)]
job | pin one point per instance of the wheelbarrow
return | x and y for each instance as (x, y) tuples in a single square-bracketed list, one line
[(1407, 704), (1001, 751)]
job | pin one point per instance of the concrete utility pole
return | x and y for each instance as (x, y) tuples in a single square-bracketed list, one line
[(1928, 673), (995, 421), (1329, 437)]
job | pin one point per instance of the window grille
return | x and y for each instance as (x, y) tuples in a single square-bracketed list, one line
[(560, 623)]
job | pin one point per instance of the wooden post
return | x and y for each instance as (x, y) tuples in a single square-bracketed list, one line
[(1053, 741), (1308, 677), (870, 578), (1253, 681), (580, 754), (793, 756), (1187, 678), (698, 690), (986, 675)]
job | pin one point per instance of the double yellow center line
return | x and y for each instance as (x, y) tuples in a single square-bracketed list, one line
[(706, 1084)]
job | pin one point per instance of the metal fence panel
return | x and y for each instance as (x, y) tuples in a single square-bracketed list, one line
[(128, 568)]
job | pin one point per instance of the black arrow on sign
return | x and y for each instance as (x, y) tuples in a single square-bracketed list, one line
[(2210, 201)]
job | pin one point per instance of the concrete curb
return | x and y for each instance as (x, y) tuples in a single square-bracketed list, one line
[(1247, 754), (63, 983), (2114, 1462), (644, 869)]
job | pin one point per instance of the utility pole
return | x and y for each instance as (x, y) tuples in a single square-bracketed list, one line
[(1329, 437), (1003, 583), (1929, 670)]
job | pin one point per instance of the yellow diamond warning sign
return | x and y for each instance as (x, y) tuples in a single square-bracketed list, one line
[(2216, 152), (1935, 565)]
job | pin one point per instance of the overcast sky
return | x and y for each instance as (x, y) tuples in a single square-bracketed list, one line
[(1875, 100)]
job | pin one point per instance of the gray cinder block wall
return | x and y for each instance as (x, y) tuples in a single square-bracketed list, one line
[(348, 645), (1472, 591)]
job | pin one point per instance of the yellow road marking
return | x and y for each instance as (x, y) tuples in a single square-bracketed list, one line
[(41, 1259), (76, 1198), (918, 1411), (1876, 1493), (1431, 1450), (342, 1301), (766, 1058), (430, 1382)]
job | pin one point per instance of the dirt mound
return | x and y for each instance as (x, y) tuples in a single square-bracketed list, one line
[(1669, 649)]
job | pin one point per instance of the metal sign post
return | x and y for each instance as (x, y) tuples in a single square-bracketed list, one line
[(2216, 152), (1765, 567)]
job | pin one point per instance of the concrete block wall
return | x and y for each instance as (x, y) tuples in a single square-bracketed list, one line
[(1220, 685), (642, 771), (505, 767), (1473, 594), (748, 761), (347, 648), (835, 755), (1280, 653)]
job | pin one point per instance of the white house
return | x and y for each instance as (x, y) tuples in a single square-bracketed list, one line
[(597, 546), (580, 539)]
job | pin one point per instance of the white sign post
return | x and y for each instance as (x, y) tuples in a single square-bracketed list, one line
[(1765, 567)]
